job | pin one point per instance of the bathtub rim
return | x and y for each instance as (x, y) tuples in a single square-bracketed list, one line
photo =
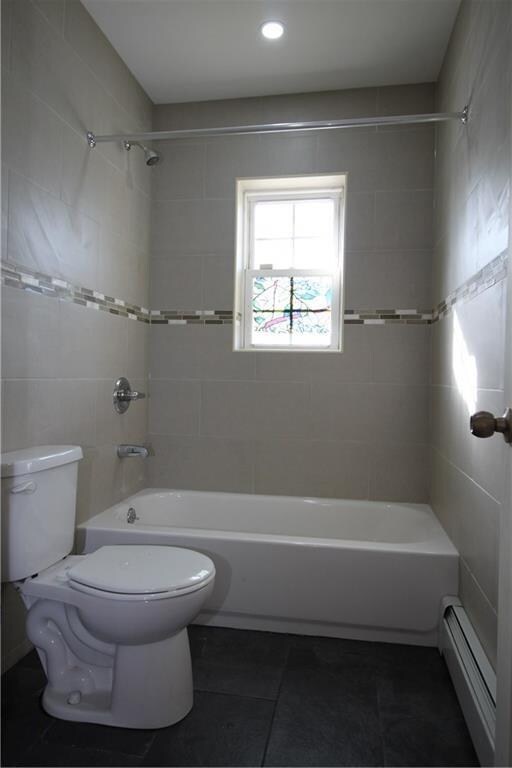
[(439, 544)]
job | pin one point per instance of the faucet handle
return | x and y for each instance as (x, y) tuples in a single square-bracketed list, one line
[(123, 395), (134, 395)]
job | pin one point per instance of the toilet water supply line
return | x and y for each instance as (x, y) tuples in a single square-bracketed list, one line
[(317, 125)]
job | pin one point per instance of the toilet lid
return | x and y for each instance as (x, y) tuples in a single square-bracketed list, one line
[(127, 569)]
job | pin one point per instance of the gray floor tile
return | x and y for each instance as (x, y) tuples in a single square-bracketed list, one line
[(329, 702), (23, 681), (406, 657), (239, 662), (196, 637), (327, 711), (89, 736), (56, 755), (417, 742), (326, 652), (220, 730), (414, 682), (23, 718), (32, 661)]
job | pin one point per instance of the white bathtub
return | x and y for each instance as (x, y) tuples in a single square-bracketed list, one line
[(357, 569)]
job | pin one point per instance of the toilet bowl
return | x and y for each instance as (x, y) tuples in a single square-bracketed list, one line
[(129, 606), (110, 627), (139, 594)]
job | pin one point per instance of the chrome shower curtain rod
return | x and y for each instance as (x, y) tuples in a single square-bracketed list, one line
[(317, 125)]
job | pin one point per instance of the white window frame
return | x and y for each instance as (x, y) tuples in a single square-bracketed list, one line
[(251, 191)]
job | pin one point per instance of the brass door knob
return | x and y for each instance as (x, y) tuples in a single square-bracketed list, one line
[(485, 424)]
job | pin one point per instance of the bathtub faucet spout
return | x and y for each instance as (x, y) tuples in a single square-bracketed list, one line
[(128, 451)]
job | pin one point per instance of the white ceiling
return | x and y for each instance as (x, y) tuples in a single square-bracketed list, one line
[(194, 50)]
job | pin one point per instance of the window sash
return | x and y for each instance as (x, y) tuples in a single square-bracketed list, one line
[(251, 198), (335, 276)]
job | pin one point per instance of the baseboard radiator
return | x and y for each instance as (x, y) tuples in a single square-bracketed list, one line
[(473, 677)]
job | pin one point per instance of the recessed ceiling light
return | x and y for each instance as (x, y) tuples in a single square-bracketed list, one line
[(272, 30)]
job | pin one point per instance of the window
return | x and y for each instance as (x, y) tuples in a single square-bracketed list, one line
[(289, 263)]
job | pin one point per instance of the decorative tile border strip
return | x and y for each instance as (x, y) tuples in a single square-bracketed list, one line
[(192, 317), (54, 287), (386, 317), (36, 282), (351, 316), (492, 273)]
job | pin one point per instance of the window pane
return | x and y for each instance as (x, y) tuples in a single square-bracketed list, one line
[(270, 294), (314, 218), (291, 311), (271, 311), (312, 293), (278, 253), (313, 253), (273, 219), (312, 329)]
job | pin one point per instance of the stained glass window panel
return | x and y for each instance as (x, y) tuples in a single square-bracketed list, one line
[(312, 330), (291, 311)]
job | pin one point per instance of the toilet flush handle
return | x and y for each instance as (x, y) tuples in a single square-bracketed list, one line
[(28, 487)]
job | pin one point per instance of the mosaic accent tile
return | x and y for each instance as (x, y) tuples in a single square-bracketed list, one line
[(193, 316), (25, 279), (54, 287), (488, 276), (386, 316)]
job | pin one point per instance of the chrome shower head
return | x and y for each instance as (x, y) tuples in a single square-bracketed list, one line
[(150, 155)]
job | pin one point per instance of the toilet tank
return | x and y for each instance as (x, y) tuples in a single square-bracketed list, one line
[(38, 508)]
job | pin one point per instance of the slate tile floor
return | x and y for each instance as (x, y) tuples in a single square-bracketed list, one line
[(265, 699)]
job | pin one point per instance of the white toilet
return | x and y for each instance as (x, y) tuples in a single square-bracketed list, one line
[(110, 627)]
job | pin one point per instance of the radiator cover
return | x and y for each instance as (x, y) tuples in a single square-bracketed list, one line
[(473, 677)]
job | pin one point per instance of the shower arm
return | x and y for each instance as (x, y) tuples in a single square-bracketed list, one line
[(317, 125)]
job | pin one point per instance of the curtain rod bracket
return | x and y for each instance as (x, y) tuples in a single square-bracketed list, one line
[(91, 139)]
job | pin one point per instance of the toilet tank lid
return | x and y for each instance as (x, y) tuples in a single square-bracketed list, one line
[(29, 460)]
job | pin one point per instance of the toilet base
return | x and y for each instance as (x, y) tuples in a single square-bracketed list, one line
[(152, 688)]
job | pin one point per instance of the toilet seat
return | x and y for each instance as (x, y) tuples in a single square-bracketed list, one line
[(138, 596), (137, 572)]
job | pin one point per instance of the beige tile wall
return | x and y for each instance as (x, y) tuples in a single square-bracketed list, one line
[(351, 425), (471, 228), (81, 215)]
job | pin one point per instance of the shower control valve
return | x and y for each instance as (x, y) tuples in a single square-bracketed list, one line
[(123, 395)]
